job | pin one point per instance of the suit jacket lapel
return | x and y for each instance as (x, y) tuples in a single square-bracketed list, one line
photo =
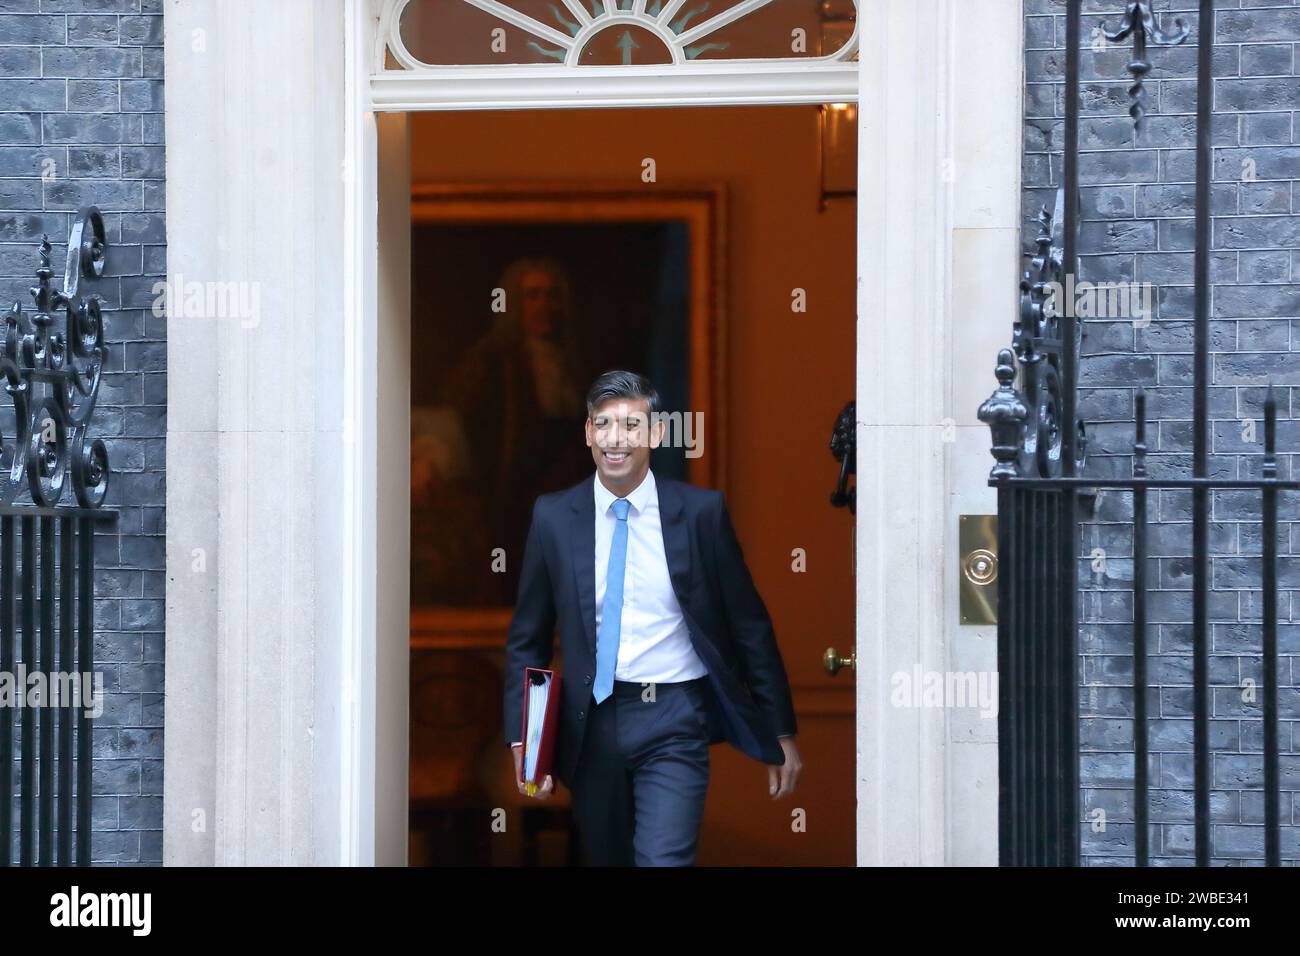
[(677, 545), (583, 546)]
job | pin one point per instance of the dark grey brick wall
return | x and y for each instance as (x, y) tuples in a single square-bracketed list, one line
[(81, 122), (1138, 203)]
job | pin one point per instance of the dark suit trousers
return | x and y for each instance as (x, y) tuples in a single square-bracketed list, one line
[(638, 792)]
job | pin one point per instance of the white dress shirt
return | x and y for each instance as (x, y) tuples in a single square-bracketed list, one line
[(654, 643)]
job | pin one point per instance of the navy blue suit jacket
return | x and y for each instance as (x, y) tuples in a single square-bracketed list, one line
[(728, 622)]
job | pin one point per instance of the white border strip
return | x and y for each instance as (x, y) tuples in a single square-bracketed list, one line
[(464, 88), (357, 747)]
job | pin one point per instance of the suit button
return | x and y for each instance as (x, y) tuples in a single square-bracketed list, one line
[(587, 679), (582, 714)]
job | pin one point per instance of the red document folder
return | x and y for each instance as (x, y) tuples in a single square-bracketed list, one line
[(538, 681)]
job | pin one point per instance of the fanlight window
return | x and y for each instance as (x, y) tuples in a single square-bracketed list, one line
[(432, 33)]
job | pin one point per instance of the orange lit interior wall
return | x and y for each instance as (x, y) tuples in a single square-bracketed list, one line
[(789, 374)]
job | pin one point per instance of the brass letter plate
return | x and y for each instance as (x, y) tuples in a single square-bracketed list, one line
[(978, 554)]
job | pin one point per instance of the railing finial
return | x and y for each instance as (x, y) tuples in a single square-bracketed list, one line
[(1005, 414), (1140, 22)]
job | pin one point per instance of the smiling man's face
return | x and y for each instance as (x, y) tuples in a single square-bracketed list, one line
[(620, 436)]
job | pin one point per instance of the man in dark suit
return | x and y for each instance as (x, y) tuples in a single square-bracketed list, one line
[(666, 644)]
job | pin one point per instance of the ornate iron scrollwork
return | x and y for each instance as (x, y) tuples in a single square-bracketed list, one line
[(51, 370), (1036, 345), (1140, 22), (844, 446)]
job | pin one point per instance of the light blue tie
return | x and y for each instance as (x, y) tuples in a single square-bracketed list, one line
[(611, 614)]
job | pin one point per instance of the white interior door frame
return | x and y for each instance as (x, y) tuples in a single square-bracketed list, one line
[(373, 669), (517, 88)]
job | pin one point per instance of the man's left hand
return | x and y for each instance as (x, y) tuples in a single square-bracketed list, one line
[(781, 780)]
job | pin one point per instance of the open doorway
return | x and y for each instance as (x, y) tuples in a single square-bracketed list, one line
[(712, 249)]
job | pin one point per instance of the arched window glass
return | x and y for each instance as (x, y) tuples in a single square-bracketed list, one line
[(433, 33)]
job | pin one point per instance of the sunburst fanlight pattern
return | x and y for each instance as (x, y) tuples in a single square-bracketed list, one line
[(430, 33)]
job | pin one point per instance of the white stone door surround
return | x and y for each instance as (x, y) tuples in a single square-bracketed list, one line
[(286, 648)]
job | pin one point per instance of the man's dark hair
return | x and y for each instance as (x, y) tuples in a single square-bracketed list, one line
[(617, 383)]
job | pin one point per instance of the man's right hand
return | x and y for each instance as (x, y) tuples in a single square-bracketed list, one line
[(547, 787)]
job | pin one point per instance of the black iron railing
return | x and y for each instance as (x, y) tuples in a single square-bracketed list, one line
[(50, 366), (1038, 443)]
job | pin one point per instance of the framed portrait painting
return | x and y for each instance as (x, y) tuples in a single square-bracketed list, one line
[(521, 295)]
